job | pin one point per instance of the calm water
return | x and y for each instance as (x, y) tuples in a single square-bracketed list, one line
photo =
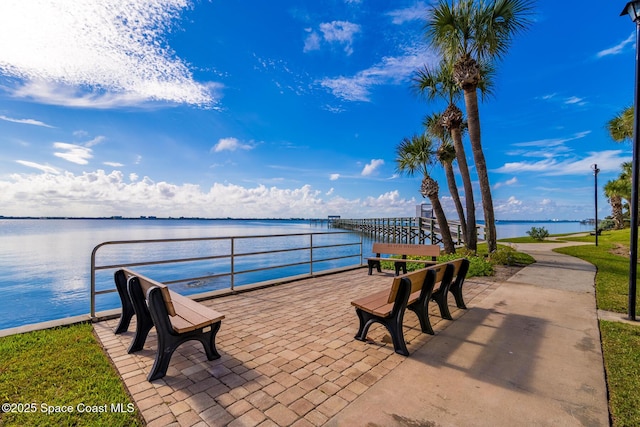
[(46, 268)]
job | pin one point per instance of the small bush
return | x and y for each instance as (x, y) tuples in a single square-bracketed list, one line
[(538, 233)]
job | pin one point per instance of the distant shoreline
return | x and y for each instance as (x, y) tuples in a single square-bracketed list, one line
[(154, 218)]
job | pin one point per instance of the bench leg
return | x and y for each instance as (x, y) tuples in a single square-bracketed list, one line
[(440, 296), (144, 322), (457, 294), (127, 309), (393, 325), (401, 266), (422, 311), (169, 343), (376, 264)]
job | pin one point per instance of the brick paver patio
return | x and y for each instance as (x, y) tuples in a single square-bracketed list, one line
[(288, 356)]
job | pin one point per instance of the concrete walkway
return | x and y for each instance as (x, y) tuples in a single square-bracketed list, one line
[(525, 353)]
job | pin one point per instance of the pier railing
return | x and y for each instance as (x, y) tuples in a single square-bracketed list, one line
[(406, 229), (224, 260)]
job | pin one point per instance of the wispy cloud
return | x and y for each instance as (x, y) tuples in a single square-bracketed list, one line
[(617, 49), (508, 182), (230, 144), (390, 70), (26, 121), (118, 53), (416, 12), (607, 161), (44, 168), (334, 176), (372, 167), (73, 153)]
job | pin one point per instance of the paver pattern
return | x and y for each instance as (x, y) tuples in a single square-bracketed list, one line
[(289, 357)]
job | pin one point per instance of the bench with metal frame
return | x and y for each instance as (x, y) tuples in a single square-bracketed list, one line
[(402, 249)]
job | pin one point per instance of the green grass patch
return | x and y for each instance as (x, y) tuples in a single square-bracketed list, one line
[(61, 369), (612, 280), (621, 349)]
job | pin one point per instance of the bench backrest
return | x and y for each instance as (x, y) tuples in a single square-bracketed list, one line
[(147, 283), (406, 249), (415, 277)]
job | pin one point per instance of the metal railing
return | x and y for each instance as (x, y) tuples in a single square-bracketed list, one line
[(229, 255)]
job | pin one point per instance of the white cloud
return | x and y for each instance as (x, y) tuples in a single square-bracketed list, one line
[(416, 12), (341, 32), (334, 176), (607, 161), (508, 182), (115, 49), (312, 42), (43, 168), (113, 164), (26, 121), (73, 153), (617, 48), (390, 70), (104, 194), (574, 100), (230, 144), (372, 167)]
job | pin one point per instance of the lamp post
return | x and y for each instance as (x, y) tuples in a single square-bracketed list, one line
[(595, 169), (632, 9)]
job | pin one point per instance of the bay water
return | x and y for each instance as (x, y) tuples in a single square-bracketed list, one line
[(45, 266)]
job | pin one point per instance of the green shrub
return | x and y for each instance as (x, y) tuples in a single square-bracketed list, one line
[(538, 233)]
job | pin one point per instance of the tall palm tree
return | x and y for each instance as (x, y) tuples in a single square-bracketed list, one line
[(469, 33), (416, 154), (621, 126), (439, 83), (446, 154)]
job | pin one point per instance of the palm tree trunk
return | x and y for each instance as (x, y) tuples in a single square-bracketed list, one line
[(443, 225), (473, 120), (616, 208), (453, 189), (471, 239)]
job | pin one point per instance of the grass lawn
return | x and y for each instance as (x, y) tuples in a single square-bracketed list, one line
[(61, 377)]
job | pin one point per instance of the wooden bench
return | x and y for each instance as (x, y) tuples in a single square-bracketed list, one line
[(177, 319), (403, 250), (453, 285), (387, 307)]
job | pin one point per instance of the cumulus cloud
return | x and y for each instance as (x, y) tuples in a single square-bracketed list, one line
[(104, 194), (73, 153), (372, 167), (230, 144), (334, 176), (96, 54), (25, 121)]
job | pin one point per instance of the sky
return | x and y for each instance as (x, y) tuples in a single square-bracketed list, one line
[(291, 109)]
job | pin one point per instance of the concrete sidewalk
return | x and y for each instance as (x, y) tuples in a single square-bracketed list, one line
[(528, 354)]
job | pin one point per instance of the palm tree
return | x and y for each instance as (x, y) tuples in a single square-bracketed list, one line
[(446, 154), (416, 154), (439, 83), (621, 126), (614, 190), (470, 33)]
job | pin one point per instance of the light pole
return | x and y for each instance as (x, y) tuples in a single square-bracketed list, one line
[(595, 169), (632, 9)]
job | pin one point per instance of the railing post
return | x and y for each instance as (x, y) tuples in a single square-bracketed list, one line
[(233, 252), (311, 254)]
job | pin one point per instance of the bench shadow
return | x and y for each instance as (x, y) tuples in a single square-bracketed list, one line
[(488, 345)]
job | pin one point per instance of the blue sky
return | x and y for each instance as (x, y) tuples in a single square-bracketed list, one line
[(289, 108)]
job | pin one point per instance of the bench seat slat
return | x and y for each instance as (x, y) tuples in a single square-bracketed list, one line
[(190, 315)]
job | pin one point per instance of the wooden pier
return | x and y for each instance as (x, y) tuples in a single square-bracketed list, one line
[(405, 230)]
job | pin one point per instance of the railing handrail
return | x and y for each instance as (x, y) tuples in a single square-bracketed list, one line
[(231, 255)]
